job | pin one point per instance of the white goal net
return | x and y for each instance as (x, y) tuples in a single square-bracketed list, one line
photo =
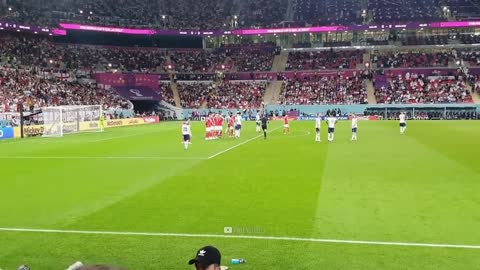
[(58, 121)]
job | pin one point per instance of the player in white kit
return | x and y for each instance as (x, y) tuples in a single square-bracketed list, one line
[(318, 126), (238, 125), (331, 121), (187, 133), (354, 127), (403, 122), (258, 123)]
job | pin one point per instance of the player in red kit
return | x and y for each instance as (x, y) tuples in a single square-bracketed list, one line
[(286, 126), (219, 125), (209, 125), (231, 124)]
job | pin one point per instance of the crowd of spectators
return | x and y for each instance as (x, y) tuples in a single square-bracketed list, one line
[(42, 52), (392, 59), (194, 95), (237, 95), (472, 57), (36, 89), (252, 58), (324, 60), (404, 11), (166, 93), (223, 95), (198, 60), (327, 12), (264, 13), (220, 14), (415, 88), (171, 14), (324, 89)]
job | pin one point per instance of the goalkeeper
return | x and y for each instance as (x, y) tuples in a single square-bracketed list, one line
[(102, 122)]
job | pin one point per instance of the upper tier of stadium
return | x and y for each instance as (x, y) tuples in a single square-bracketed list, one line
[(229, 14)]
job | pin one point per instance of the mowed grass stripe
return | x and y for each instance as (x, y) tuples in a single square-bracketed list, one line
[(397, 194)]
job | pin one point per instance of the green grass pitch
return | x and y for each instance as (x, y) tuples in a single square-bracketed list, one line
[(422, 187)]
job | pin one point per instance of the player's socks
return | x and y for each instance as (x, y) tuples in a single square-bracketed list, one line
[(265, 134)]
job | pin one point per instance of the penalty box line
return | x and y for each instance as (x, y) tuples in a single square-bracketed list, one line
[(245, 237), (239, 144)]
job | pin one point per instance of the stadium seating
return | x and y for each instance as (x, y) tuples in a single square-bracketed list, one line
[(197, 60), (172, 14), (36, 89), (470, 39), (166, 92), (252, 58), (193, 95), (324, 60), (404, 11), (327, 12), (392, 59), (237, 95), (413, 88), (472, 57), (323, 89), (42, 52), (217, 14)]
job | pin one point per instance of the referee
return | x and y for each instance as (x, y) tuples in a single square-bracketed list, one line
[(264, 121)]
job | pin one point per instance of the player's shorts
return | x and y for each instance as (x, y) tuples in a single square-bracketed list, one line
[(186, 137), (285, 126), (208, 129), (238, 127), (264, 128), (403, 124), (317, 130), (230, 128), (354, 130), (331, 130)]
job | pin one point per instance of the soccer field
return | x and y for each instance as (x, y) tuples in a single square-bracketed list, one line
[(388, 201)]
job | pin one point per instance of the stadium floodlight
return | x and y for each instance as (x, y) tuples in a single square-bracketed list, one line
[(62, 120)]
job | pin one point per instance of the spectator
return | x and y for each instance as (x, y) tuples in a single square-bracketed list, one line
[(207, 258)]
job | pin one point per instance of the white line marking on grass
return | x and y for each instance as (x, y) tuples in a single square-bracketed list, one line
[(130, 135), (100, 157), (240, 144), (292, 239)]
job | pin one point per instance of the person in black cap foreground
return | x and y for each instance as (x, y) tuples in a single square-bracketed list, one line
[(207, 258)]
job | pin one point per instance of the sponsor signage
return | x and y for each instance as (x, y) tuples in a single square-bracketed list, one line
[(6, 133), (36, 130)]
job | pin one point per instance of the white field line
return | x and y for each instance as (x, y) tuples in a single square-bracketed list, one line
[(240, 144), (291, 239), (131, 135), (101, 157)]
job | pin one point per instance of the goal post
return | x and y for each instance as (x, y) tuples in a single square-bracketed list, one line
[(62, 120)]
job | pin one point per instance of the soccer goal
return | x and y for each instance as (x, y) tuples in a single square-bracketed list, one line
[(59, 121)]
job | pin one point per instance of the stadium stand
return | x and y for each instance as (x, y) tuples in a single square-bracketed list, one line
[(193, 95), (415, 88), (252, 58), (198, 60), (166, 92), (324, 60), (323, 89), (395, 59), (242, 95), (328, 12), (404, 10), (36, 89)]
